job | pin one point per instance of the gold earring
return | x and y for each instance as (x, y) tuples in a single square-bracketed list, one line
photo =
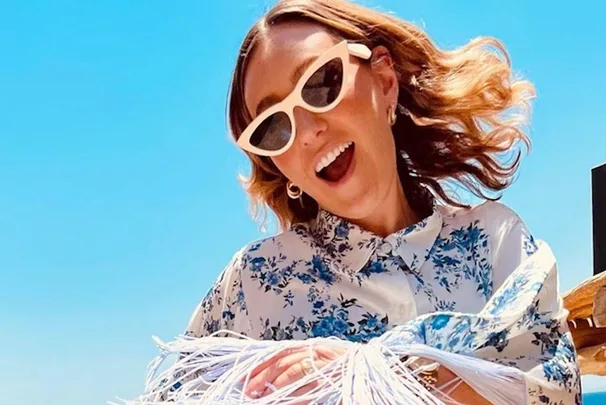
[(392, 115), (293, 190)]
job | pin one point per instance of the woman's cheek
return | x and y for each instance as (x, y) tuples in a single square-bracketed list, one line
[(291, 165)]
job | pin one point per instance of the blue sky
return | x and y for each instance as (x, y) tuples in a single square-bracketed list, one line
[(120, 202)]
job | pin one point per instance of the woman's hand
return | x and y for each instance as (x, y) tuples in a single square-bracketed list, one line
[(287, 367), (461, 394), (454, 392), (291, 365)]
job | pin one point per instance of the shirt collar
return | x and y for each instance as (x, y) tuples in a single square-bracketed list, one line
[(351, 246)]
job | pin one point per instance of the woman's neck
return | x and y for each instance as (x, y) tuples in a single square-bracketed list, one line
[(391, 215)]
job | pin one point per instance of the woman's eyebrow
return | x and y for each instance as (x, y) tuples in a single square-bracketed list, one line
[(272, 99), (298, 72)]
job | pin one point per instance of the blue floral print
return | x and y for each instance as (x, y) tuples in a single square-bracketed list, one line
[(330, 278)]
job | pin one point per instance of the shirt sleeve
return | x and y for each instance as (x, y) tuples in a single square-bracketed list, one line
[(545, 352), (512, 242), (224, 306), (522, 329)]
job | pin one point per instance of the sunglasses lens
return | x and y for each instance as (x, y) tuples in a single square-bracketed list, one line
[(273, 133), (324, 86)]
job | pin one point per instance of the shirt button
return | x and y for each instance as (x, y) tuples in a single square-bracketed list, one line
[(385, 248)]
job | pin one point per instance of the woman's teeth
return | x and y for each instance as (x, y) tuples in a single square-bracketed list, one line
[(331, 156)]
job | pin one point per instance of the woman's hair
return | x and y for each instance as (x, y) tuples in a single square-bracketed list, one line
[(464, 109)]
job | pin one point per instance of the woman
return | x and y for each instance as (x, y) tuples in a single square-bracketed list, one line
[(354, 122)]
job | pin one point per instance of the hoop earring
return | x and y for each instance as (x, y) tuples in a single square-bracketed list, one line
[(293, 190), (392, 115)]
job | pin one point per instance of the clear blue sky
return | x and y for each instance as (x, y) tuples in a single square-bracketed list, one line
[(119, 202)]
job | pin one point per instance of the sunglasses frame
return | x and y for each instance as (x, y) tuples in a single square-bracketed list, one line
[(341, 51)]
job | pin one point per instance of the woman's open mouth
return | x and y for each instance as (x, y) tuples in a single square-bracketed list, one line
[(335, 164)]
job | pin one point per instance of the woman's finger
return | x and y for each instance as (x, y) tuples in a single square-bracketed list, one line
[(306, 389), (295, 372), (267, 373), (271, 361)]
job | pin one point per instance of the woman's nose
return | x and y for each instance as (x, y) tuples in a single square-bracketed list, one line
[(310, 126)]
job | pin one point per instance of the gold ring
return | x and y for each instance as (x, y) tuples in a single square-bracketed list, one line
[(307, 366)]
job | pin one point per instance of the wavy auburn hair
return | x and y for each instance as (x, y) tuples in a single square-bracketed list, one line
[(464, 119)]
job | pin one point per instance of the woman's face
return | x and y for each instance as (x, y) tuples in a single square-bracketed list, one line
[(364, 173)]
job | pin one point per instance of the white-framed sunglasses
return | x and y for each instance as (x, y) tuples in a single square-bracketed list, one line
[(320, 89)]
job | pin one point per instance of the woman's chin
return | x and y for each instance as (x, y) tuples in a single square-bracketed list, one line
[(353, 203)]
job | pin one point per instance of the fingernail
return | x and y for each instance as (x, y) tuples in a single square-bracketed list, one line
[(254, 394)]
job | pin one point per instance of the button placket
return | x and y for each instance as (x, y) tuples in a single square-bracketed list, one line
[(399, 294)]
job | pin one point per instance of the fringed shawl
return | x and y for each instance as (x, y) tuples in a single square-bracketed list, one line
[(518, 344)]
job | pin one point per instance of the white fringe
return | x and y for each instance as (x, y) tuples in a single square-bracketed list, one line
[(214, 369), (366, 374)]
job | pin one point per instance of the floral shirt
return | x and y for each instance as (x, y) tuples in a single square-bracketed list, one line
[(330, 278)]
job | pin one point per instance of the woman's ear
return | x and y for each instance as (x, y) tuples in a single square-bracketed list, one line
[(382, 66)]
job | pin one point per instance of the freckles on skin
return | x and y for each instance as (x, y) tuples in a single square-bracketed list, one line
[(277, 57), (357, 118), (360, 118), (297, 162), (316, 135)]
